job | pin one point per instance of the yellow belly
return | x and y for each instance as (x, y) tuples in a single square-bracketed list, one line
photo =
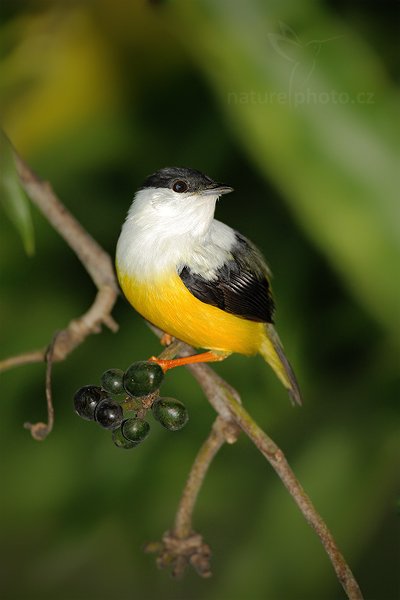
[(169, 305)]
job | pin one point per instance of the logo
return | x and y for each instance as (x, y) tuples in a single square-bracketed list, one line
[(302, 55)]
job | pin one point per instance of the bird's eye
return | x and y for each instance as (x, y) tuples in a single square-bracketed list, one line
[(180, 186)]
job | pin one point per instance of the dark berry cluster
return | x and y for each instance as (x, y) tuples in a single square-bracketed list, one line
[(123, 400)]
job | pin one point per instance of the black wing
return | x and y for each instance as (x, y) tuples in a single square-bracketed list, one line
[(240, 287)]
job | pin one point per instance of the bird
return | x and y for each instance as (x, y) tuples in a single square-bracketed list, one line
[(196, 278)]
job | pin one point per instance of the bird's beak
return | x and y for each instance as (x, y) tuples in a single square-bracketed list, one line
[(217, 189)]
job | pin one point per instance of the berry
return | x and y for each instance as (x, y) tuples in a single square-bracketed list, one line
[(111, 381), (171, 413), (135, 430), (108, 414), (86, 400), (143, 378), (120, 441)]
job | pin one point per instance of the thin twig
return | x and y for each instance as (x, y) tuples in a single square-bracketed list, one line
[(40, 431), (49, 394), (182, 545), (216, 439), (74, 334), (22, 359)]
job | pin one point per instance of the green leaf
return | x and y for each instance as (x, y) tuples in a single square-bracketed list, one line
[(12, 196)]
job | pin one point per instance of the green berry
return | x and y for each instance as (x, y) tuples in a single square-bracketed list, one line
[(108, 414), (171, 413), (135, 430), (143, 378), (120, 441), (86, 400), (111, 381)]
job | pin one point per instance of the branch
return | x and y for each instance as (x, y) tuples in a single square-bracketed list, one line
[(221, 432), (182, 545), (226, 402), (95, 260), (26, 358), (220, 394), (277, 460), (98, 265), (74, 334)]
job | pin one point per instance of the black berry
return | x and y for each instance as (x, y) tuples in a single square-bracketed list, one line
[(108, 414), (86, 400), (111, 381), (143, 378), (135, 430), (171, 413), (120, 441)]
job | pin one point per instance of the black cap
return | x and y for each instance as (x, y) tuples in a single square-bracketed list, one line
[(182, 179)]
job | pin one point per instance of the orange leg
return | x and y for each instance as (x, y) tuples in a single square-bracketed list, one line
[(188, 360)]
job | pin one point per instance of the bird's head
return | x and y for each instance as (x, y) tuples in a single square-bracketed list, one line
[(179, 198)]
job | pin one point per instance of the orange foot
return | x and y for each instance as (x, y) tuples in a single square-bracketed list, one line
[(188, 360)]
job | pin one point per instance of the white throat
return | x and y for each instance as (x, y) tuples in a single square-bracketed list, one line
[(163, 230)]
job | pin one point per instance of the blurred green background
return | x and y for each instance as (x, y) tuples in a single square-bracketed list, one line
[(297, 106)]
